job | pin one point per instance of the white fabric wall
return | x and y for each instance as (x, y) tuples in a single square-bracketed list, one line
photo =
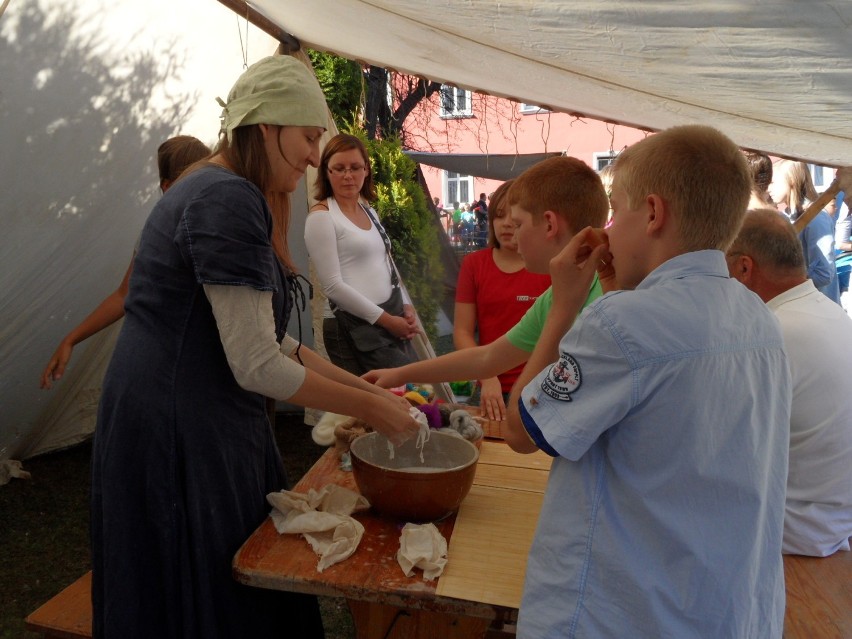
[(88, 90), (772, 74)]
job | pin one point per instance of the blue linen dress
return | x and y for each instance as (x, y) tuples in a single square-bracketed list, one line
[(183, 457)]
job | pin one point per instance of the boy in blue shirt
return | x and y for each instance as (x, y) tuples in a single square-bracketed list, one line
[(666, 407)]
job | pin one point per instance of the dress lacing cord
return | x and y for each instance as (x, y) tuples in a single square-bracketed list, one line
[(299, 301)]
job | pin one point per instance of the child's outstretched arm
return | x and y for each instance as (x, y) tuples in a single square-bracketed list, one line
[(470, 363)]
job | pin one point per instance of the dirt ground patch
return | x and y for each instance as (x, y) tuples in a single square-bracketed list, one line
[(45, 529)]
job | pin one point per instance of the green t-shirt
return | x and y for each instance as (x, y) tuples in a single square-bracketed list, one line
[(526, 332)]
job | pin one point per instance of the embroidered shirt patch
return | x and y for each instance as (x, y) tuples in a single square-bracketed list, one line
[(563, 378)]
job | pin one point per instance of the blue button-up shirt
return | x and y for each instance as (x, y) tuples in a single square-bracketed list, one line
[(668, 413)]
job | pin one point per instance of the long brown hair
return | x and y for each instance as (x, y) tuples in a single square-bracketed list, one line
[(343, 142), (497, 204), (176, 154), (798, 179), (246, 156)]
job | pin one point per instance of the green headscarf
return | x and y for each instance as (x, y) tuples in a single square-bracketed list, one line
[(275, 90)]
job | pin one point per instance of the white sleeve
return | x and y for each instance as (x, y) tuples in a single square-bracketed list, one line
[(247, 330), (321, 241)]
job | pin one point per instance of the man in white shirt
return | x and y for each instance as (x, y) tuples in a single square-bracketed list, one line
[(767, 257)]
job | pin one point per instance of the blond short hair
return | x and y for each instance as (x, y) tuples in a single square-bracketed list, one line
[(700, 173)]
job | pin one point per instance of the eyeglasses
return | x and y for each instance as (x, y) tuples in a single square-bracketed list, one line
[(343, 170)]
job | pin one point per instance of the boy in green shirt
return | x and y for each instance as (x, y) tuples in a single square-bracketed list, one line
[(550, 203)]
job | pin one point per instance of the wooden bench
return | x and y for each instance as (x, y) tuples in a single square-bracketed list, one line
[(819, 602), (68, 615), (819, 596)]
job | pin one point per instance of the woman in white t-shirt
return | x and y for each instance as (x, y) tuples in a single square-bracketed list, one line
[(370, 319)]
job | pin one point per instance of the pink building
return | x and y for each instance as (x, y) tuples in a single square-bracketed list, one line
[(459, 122)]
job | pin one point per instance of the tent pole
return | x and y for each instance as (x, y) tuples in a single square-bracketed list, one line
[(289, 42)]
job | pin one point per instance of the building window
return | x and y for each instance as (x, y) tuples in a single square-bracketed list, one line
[(532, 108), (457, 188), (817, 175), (455, 102), (603, 159)]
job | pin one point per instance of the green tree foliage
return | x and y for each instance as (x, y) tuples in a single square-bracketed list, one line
[(342, 82), (405, 214)]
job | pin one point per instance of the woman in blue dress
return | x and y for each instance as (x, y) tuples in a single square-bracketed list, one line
[(184, 453)]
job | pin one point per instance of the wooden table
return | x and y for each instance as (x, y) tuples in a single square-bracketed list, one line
[(819, 596), (383, 601)]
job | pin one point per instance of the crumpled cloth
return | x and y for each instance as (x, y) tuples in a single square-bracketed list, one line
[(12, 469), (323, 517), (422, 546)]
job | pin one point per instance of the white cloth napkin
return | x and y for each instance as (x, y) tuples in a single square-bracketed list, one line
[(11, 468), (422, 546), (323, 517)]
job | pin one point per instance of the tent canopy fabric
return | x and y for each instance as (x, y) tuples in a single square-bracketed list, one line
[(773, 75), (492, 167)]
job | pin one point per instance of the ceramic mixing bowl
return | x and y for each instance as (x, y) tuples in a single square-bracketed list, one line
[(406, 489)]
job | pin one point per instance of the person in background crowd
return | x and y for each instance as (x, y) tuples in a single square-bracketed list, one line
[(173, 157), (682, 500), (457, 222), (792, 190), (760, 167), (480, 213), (184, 453), (842, 243), (767, 257), (494, 291), (442, 214), (606, 179)]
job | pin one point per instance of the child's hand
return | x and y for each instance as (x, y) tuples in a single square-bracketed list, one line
[(843, 177), (383, 377), (606, 272), (491, 399), (573, 269)]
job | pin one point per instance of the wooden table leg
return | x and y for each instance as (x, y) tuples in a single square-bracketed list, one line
[(380, 621)]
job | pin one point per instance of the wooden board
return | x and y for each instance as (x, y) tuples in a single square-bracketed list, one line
[(498, 453), (819, 596), (487, 556), (68, 615), (501, 467), (509, 479), (372, 574)]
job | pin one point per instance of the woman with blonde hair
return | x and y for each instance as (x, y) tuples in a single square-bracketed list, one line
[(792, 190)]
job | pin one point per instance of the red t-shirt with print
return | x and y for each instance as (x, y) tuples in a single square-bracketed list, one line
[(501, 299)]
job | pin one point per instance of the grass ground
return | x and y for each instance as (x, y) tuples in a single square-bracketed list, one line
[(44, 534)]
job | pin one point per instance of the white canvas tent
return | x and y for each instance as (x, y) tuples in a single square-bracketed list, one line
[(773, 75), (88, 90)]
